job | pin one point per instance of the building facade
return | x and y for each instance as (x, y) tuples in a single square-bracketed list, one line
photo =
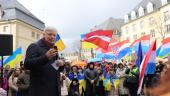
[(71, 56), (147, 18), (165, 15), (15, 19)]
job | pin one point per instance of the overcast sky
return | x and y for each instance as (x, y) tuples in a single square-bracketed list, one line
[(74, 17)]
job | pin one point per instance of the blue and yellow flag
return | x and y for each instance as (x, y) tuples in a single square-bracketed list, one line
[(14, 59), (59, 43)]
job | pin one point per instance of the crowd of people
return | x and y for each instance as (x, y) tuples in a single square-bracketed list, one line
[(45, 74), (95, 79)]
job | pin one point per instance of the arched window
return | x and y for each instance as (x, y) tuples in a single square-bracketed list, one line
[(150, 7), (133, 15), (141, 11)]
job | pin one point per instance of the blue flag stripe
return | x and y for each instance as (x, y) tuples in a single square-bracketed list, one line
[(10, 58)]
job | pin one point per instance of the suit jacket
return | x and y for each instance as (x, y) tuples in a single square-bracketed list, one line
[(44, 79)]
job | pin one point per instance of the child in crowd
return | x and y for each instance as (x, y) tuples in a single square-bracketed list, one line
[(74, 88)]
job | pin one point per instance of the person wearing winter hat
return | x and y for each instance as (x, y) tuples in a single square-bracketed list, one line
[(91, 77)]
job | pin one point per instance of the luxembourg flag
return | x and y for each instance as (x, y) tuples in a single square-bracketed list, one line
[(145, 41), (164, 50), (101, 38), (147, 64), (124, 48)]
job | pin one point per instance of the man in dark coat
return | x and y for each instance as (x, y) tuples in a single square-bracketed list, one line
[(91, 77), (40, 58)]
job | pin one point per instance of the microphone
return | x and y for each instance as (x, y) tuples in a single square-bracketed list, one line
[(57, 55)]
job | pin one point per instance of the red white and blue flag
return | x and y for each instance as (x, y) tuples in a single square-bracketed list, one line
[(145, 41), (113, 42), (101, 38), (164, 50), (147, 64), (123, 48), (109, 53)]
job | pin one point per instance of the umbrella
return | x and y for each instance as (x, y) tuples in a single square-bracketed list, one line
[(79, 63)]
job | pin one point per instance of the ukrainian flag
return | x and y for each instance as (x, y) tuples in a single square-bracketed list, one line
[(14, 59), (81, 84), (107, 84), (59, 43)]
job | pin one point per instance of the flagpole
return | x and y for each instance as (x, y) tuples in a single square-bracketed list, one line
[(80, 50), (2, 71), (92, 53), (130, 57)]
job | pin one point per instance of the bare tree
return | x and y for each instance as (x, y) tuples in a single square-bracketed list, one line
[(160, 27)]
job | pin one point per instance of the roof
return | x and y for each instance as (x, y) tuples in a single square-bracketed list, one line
[(111, 24), (156, 5), (14, 10)]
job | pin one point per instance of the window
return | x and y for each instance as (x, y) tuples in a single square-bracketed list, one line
[(152, 32), (149, 7), (126, 17), (38, 36), (164, 2), (5, 29), (168, 28), (133, 15), (116, 32), (33, 34), (166, 16), (135, 37), (127, 30), (151, 21), (141, 24), (141, 11), (134, 27)]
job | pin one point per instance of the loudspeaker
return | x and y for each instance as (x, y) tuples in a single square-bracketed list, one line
[(6, 44)]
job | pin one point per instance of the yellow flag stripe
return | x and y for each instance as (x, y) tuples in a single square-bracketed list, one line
[(60, 45)]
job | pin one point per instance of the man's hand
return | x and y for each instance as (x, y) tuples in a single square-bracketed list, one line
[(51, 53), (60, 63), (92, 81)]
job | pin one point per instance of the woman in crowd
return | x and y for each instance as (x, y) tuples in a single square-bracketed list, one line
[(67, 68), (13, 88), (7, 74), (65, 83), (109, 82), (23, 82), (81, 81), (74, 72), (123, 91), (100, 83)]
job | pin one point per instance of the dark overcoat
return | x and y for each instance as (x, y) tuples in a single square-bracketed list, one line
[(44, 79)]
